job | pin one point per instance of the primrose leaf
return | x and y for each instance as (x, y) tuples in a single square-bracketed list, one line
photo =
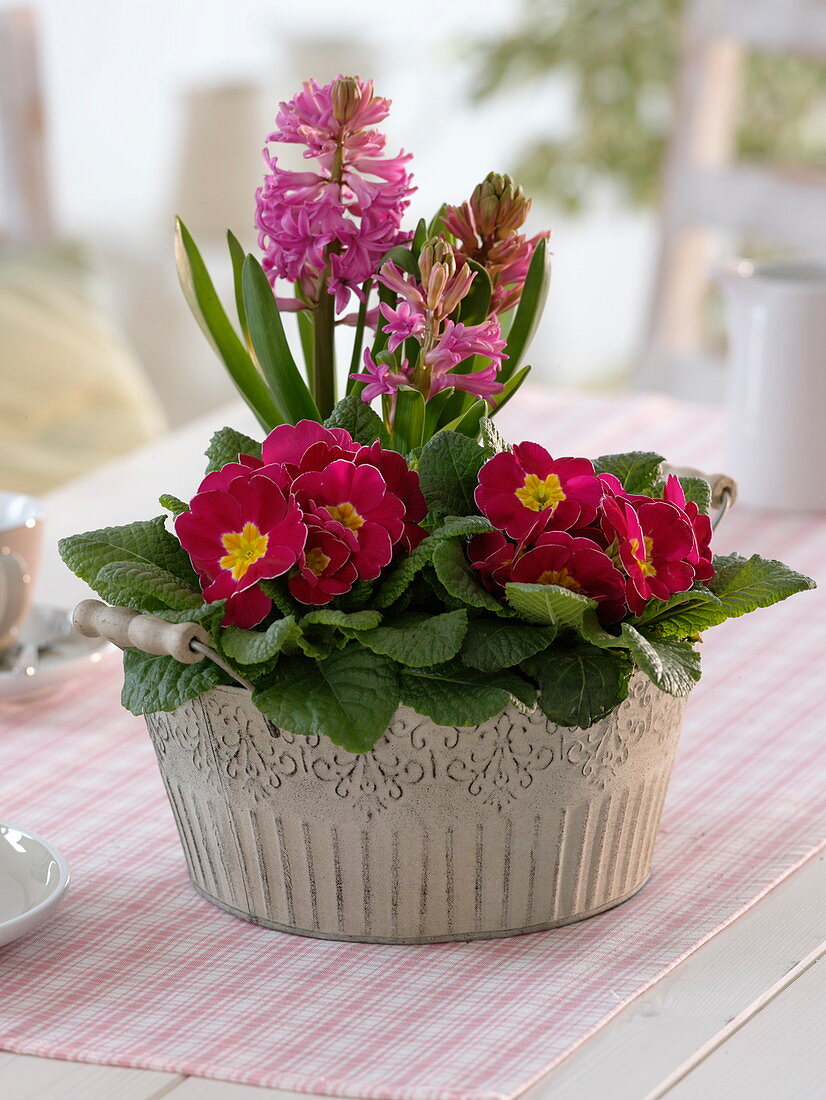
[(418, 639), (357, 418), (493, 644), (226, 445), (398, 579), (639, 471), (449, 466), (745, 584), (452, 695), (145, 542), (454, 572), (492, 438), (580, 684), (154, 683), (254, 647), (350, 697), (356, 621), (146, 587), (549, 604), (173, 504)]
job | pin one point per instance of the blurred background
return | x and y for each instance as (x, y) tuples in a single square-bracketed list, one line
[(659, 138)]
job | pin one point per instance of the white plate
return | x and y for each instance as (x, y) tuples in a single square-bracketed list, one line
[(66, 659), (33, 878)]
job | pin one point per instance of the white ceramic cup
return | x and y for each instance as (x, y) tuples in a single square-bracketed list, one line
[(21, 541), (777, 383)]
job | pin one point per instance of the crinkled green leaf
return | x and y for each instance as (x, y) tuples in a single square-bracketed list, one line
[(740, 585), (350, 697), (356, 621), (359, 596), (675, 617), (209, 615), (254, 647), (639, 471), (280, 596), (493, 644), (146, 542), (453, 695), (418, 639), (317, 648), (449, 467), (357, 418), (461, 525), (549, 604), (491, 437), (400, 577), (226, 445), (146, 587), (744, 584), (173, 504), (670, 663), (153, 683), (580, 684), (697, 489), (454, 572)]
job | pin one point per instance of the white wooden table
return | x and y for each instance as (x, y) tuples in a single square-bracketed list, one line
[(744, 1016)]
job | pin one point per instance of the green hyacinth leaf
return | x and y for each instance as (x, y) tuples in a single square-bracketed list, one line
[(207, 310), (272, 351)]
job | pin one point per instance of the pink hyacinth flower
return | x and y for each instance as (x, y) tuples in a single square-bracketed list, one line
[(327, 229), (381, 378), (402, 323)]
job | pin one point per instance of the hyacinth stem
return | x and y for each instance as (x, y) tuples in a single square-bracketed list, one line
[(324, 353)]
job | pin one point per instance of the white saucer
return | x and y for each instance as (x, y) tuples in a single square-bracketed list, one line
[(55, 666), (33, 878)]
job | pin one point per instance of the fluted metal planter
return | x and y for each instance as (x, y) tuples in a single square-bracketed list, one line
[(438, 833)]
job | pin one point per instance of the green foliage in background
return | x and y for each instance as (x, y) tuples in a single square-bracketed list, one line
[(623, 57)]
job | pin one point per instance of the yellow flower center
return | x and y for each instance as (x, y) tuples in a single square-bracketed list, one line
[(346, 515), (538, 495), (561, 577), (316, 560), (647, 567), (242, 549)]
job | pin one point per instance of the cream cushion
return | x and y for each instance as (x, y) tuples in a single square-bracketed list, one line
[(72, 395)]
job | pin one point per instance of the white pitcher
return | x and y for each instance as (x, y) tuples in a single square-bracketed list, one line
[(777, 383)]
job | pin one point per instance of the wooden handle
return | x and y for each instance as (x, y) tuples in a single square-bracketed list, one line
[(136, 629)]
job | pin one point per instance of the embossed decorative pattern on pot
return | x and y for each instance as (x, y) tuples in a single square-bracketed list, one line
[(437, 833)]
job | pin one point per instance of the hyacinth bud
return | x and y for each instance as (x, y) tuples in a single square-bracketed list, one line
[(435, 286), (346, 94), (436, 251), (499, 206)]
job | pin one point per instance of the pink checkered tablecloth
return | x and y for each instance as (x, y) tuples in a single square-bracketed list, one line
[(137, 970)]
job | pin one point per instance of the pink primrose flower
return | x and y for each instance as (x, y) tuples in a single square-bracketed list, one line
[(524, 492)]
